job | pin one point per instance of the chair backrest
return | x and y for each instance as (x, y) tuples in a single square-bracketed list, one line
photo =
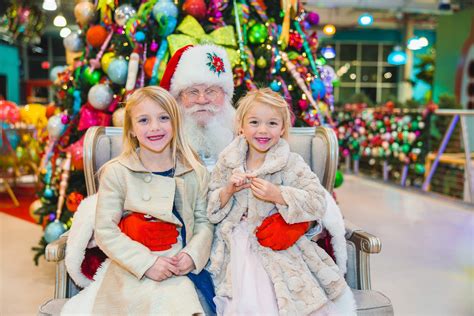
[(318, 147)]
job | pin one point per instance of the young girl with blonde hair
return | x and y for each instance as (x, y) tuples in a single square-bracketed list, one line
[(151, 218), (256, 177)]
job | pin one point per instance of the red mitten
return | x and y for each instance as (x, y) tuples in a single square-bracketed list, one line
[(93, 258), (155, 235), (276, 234)]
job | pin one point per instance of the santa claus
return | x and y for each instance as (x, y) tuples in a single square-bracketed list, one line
[(201, 80)]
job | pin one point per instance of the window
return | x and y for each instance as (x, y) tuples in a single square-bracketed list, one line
[(363, 68)]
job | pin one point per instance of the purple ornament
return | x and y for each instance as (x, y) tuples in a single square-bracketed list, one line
[(312, 18), (52, 217)]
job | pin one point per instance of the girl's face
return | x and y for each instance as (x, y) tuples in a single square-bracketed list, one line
[(262, 127), (151, 124)]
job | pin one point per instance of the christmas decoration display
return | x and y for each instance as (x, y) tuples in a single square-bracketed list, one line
[(23, 22), (125, 45), (384, 135)]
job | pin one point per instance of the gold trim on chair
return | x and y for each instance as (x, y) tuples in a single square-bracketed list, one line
[(332, 156)]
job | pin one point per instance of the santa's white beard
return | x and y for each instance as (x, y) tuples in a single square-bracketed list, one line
[(209, 140)]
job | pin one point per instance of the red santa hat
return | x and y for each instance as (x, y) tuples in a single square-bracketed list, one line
[(201, 64)]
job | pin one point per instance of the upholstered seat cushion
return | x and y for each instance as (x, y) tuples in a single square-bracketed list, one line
[(372, 303), (52, 307), (369, 303)]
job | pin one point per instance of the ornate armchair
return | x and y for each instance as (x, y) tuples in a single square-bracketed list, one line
[(319, 148)]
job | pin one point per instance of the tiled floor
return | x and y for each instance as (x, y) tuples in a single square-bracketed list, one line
[(426, 266)]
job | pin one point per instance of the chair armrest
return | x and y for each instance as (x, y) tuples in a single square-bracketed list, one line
[(364, 244), (364, 241), (56, 250)]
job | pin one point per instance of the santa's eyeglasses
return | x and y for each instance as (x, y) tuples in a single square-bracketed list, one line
[(210, 93)]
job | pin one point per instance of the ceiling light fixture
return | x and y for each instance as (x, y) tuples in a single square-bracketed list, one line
[(397, 57), (50, 5), (366, 19), (328, 52), (329, 29), (60, 20), (65, 31)]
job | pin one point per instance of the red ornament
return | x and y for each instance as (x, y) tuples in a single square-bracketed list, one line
[(148, 66), (50, 109), (196, 8), (96, 36), (295, 40), (73, 200), (76, 151)]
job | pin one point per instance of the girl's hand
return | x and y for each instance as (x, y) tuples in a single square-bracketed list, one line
[(162, 269), (266, 191), (185, 263), (238, 182)]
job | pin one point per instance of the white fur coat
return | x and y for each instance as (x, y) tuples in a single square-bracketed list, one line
[(305, 278)]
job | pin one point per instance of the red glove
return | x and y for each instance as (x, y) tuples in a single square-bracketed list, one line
[(156, 235), (276, 234)]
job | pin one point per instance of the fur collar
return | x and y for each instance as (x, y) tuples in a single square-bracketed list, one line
[(234, 155)]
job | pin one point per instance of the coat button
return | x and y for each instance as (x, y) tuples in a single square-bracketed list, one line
[(146, 197), (147, 179)]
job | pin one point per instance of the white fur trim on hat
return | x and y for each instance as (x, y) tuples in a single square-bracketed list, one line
[(79, 237), (193, 69)]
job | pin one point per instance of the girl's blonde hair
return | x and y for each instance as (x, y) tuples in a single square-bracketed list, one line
[(263, 96), (180, 148)]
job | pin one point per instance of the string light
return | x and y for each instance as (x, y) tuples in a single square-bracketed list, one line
[(329, 29)]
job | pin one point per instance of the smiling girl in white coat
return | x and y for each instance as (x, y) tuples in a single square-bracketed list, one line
[(257, 176)]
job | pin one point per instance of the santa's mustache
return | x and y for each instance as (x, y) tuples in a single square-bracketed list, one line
[(196, 108)]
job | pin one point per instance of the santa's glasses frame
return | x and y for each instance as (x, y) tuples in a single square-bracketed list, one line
[(209, 93)]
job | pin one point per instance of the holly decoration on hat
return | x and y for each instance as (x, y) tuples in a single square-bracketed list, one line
[(216, 64)]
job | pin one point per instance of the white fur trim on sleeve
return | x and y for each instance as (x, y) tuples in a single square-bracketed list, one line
[(79, 236), (334, 223)]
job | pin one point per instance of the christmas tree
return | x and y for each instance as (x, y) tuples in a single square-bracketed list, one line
[(124, 46)]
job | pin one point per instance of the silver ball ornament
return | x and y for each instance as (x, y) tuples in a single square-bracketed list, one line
[(55, 126), (73, 42), (118, 117), (123, 13), (84, 12), (100, 96), (118, 70)]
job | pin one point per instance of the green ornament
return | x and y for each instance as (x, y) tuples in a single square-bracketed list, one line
[(336, 83), (258, 33), (414, 125), (419, 168), (261, 62), (406, 148), (292, 55), (339, 179), (70, 91), (92, 77), (320, 61)]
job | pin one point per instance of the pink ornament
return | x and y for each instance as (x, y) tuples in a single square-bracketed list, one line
[(303, 104), (76, 150), (345, 152), (92, 117), (64, 119), (154, 46), (9, 112)]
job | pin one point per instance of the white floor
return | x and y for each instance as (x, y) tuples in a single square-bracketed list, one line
[(426, 266)]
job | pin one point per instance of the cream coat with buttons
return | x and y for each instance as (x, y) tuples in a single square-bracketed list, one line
[(120, 286)]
